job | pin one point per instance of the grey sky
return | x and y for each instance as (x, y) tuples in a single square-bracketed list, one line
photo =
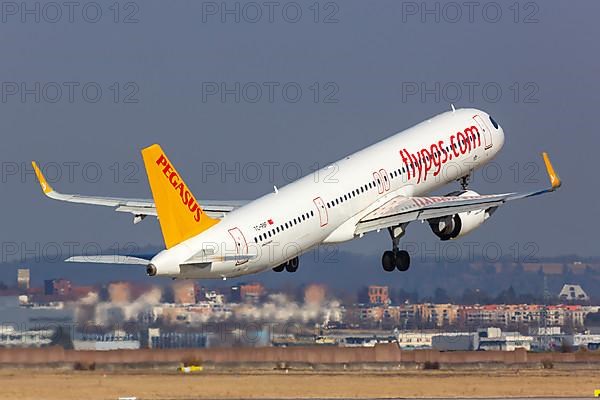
[(363, 64)]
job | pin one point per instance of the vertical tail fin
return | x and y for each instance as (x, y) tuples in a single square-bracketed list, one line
[(179, 214)]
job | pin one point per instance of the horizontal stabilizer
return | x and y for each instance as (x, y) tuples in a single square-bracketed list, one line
[(109, 259), (202, 258)]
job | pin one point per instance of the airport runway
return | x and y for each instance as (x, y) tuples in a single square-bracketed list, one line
[(405, 398), (57, 384)]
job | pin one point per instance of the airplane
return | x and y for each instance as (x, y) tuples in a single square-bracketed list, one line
[(383, 186)]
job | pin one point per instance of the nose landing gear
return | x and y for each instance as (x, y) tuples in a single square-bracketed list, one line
[(464, 181), (396, 258)]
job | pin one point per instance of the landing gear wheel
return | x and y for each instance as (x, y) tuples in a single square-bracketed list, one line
[(396, 258), (402, 260), (279, 268), (388, 261), (292, 265)]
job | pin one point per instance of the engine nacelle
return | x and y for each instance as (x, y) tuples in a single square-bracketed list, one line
[(457, 225)]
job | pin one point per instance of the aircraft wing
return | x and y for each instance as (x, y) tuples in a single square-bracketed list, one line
[(140, 208), (404, 209)]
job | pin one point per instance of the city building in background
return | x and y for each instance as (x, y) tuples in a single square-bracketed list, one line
[(58, 287), (251, 292), (128, 315), (573, 293), (23, 279), (379, 295)]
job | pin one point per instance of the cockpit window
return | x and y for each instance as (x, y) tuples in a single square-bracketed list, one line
[(494, 122)]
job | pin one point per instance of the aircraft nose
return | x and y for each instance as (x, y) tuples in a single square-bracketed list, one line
[(497, 132), (500, 134)]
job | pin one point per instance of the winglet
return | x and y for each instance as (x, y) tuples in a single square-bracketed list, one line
[(46, 188), (554, 179)]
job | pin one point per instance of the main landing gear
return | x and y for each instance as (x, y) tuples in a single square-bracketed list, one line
[(290, 266), (396, 258)]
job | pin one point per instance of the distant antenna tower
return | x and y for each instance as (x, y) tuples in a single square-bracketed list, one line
[(546, 293), (544, 316)]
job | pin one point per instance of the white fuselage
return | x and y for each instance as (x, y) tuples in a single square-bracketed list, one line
[(325, 206)]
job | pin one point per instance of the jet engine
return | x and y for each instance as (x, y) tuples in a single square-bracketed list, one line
[(457, 225)]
